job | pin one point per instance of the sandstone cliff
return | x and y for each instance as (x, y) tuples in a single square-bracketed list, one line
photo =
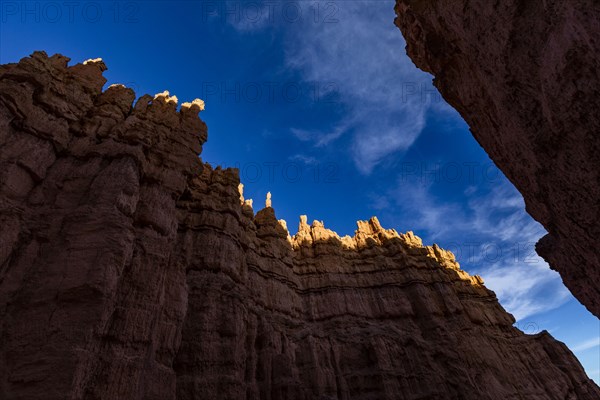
[(130, 270), (525, 75)]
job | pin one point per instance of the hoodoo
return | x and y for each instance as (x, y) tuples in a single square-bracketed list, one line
[(131, 270)]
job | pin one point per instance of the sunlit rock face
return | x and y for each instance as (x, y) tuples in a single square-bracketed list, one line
[(130, 270), (525, 75)]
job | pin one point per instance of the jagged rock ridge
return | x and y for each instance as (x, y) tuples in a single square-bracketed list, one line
[(130, 270), (525, 75)]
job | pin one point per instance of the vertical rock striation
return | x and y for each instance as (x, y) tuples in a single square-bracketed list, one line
[(525, 75), (130, 270)]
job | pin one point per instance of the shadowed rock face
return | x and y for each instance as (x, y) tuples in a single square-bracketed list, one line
[(130, 270), (525, 77)]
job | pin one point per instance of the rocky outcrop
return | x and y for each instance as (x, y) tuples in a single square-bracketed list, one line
[(130, 270), (525, 75)]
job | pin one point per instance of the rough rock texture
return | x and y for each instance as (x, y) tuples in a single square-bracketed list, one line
[(130, 270), (525, 75)]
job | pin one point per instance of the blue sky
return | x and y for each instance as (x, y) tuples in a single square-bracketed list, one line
[(317, 102)]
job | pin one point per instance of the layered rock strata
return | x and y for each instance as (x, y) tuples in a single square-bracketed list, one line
[(525, 75), (131, 270)]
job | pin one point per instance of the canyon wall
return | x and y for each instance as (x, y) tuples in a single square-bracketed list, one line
[(525, 75), (131, 270)]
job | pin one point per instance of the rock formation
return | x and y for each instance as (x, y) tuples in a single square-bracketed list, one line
[(131, 270), (525, 75)]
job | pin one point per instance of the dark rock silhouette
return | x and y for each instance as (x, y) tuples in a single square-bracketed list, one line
[(130, 270), (525, 75)]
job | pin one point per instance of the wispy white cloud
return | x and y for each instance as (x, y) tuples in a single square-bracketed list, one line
[(586, 345), (320, 138), (351, 49), (525, 289), (492, 236), (385, 96), (308, 160), (424, 212)]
